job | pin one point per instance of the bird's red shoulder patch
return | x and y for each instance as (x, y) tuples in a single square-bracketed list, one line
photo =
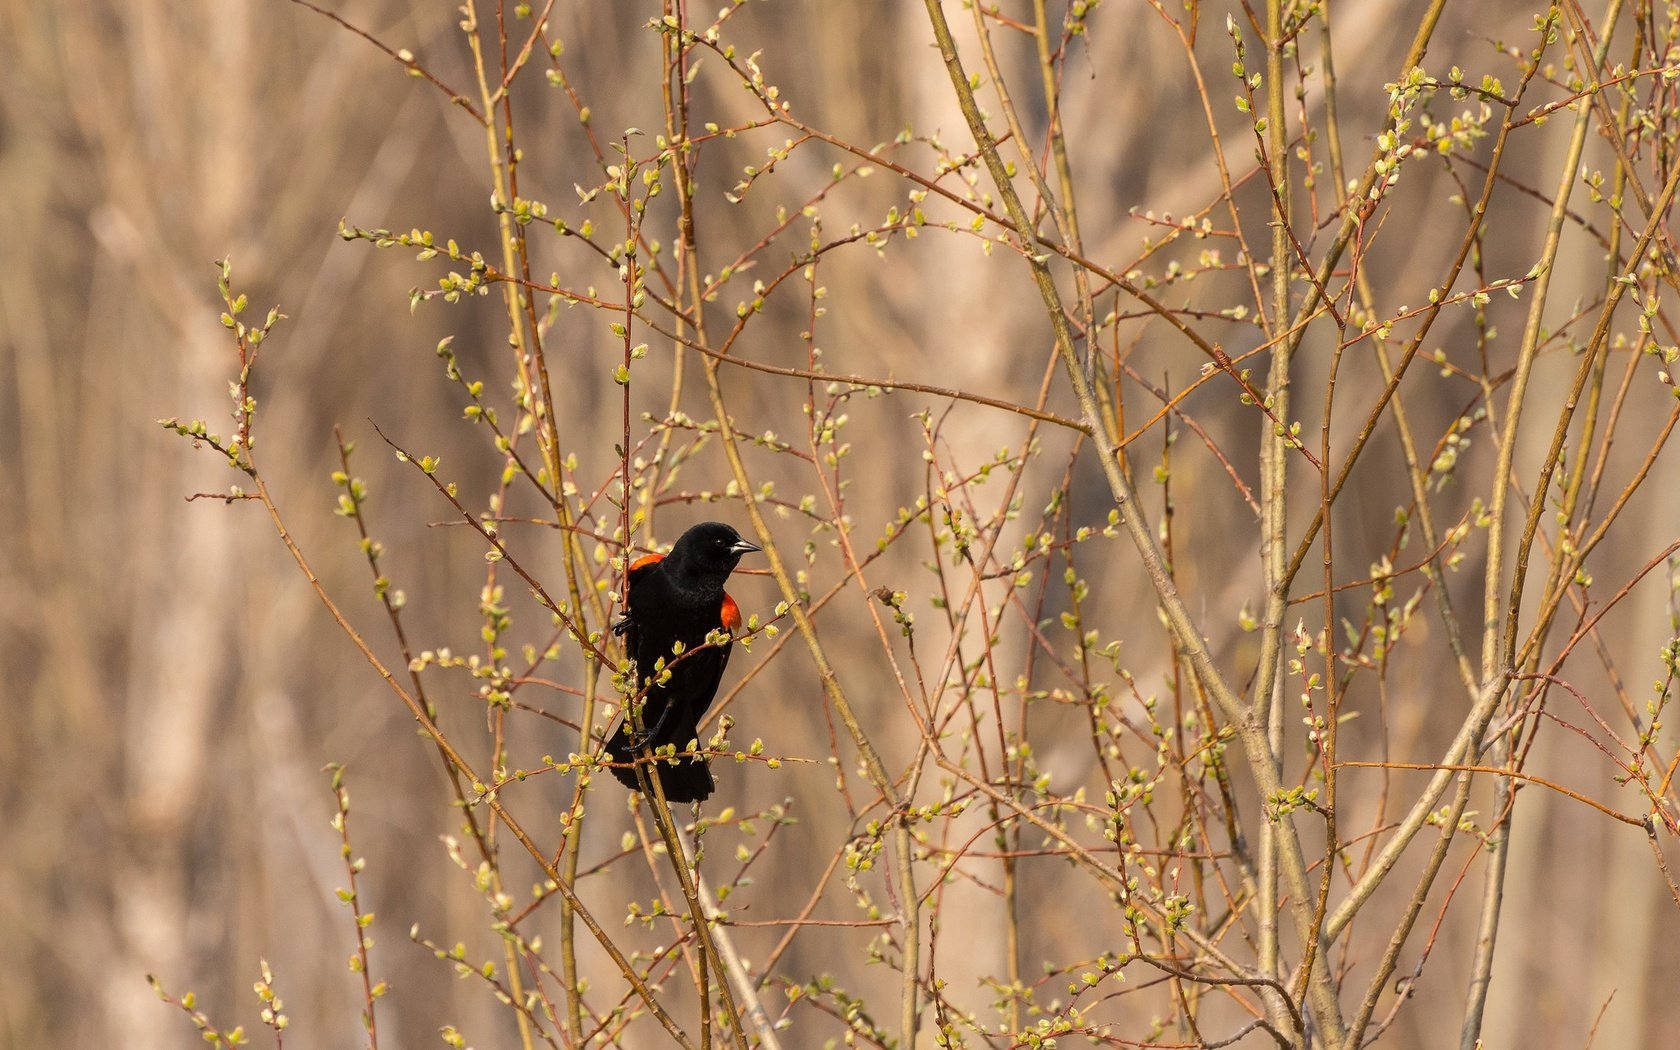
[(646, 559), (731, 614)]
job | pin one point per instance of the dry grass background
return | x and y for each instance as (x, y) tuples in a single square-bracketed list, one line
[(172, 686)]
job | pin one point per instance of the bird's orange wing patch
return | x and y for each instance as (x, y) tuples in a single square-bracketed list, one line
[(646, 559), (731, 614)]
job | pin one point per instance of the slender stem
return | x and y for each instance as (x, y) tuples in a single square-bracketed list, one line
[(1274, 472), (735, 969), (1487, 932)]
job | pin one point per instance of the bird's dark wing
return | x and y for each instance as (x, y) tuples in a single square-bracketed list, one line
[(626, 622)]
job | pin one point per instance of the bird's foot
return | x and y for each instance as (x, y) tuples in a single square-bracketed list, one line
[(651, 734)]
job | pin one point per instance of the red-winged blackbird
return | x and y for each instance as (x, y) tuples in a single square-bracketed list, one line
[(677, 598)]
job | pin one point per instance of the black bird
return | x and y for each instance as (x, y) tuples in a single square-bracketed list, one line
[(677, 598)]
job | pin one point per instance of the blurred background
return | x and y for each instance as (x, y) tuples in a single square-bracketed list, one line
[(172, 686)]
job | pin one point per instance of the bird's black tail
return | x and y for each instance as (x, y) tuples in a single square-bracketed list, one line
[(686, 780)]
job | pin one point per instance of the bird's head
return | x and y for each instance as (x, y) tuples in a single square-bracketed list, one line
[(708, 551)]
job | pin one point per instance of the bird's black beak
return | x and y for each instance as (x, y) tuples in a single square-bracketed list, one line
[(741, 546)]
